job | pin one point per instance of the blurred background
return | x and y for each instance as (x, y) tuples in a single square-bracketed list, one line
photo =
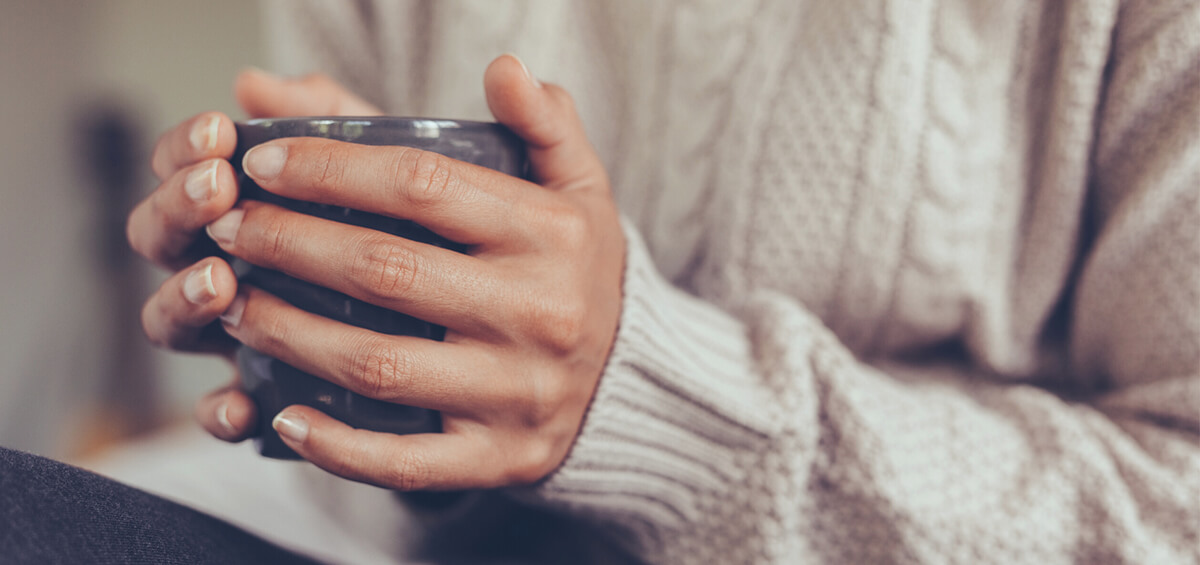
[(86, 88)]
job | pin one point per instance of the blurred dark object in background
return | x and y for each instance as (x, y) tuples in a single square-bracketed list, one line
[(112, 156), (109, 148)]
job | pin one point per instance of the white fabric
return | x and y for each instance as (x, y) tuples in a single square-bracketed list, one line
[(273, 499)]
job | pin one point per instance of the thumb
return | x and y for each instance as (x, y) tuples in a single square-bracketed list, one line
[(265, 95), (544, 116)]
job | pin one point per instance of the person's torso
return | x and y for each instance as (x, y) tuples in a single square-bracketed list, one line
[(885, 163)]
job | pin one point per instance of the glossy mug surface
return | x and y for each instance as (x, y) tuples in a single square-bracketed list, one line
[(274, 385)]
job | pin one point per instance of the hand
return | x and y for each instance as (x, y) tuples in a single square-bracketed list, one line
[(197, 187), (531, 310)]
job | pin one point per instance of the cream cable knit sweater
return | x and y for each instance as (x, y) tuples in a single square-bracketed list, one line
[(920, 280)]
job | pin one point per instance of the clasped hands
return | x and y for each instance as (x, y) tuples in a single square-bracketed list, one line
[(530, 310)]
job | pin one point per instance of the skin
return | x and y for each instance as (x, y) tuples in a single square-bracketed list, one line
[(531, 310)]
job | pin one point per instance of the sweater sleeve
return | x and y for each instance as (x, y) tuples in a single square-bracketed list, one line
[(753, 436)]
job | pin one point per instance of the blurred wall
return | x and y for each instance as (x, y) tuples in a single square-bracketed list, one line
[(46, 302), (60, 60)]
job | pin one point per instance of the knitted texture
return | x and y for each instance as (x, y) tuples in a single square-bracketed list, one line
[(919, 281)]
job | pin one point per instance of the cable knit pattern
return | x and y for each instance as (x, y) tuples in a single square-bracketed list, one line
[(907, 281)]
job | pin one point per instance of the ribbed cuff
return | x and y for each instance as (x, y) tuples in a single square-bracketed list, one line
[(677, 415)]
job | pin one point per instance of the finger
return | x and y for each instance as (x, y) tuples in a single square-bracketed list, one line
[(205, 136), (165, 226), (543, 115), (410, 462), (227, 414), (459, 201), (427, 282), (181, 313), (265, 95), (451, 377)]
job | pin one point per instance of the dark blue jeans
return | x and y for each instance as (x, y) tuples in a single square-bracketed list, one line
[(55, 513)]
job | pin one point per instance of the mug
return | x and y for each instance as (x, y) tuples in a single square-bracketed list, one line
[(274, 385)]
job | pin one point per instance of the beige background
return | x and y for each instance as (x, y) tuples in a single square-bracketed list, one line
[(158, 61)]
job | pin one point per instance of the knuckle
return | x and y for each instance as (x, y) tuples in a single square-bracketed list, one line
[(158, 158), (430, 177), (570, 227), (133, 234), (535, 461), (150, 229), (274, 234), (381, 370), (330, 166), (150, 324), (559, 323), (343, 466), (268, 331), (385, 269), (409, 470), (160, 322), (546, 397)]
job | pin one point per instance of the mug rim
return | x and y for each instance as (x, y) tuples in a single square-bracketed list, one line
[(398, 121)]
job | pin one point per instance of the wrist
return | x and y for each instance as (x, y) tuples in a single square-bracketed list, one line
[(675, 414)]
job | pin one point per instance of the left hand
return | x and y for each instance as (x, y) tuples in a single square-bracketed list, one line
[(531, 310)]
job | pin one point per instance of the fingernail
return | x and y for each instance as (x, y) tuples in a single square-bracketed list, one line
[(224, 230), (204, 134), (201, 184), (233, 314), (291, 426), (198, 286), (264, 162), (528, 74), (223, 418)]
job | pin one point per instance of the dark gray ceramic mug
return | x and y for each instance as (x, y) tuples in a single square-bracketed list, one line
[(274, 385)]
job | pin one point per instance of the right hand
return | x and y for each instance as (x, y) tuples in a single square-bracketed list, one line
[(197, 186)]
